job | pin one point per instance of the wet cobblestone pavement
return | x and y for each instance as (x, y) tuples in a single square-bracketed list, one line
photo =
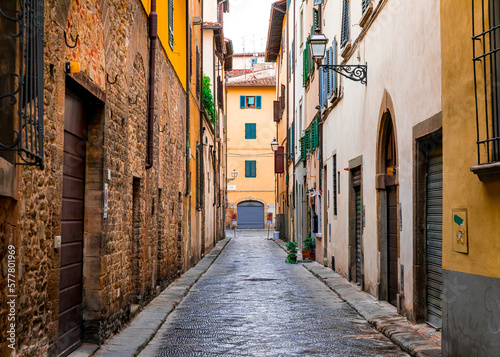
[(250, 303)]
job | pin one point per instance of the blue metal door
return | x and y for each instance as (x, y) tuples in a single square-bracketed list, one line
[(250, 215)]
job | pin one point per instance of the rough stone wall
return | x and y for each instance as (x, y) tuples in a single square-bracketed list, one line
[(112, 44)]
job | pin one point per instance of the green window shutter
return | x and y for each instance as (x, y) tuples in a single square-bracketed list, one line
[(303, 148), (304, 67), (250, 131), (259, 102), (315, 19), (171, 23), (242, 101), (250, 168), (316, 129), (307, 140)]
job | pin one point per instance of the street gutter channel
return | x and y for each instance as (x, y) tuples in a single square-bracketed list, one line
[(418, 340), (131, 340)]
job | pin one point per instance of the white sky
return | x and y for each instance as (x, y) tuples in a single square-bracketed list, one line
[(247, 23)]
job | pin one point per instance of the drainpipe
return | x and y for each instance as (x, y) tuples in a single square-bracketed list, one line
[(202, 163), (188, 101), (153, 35)]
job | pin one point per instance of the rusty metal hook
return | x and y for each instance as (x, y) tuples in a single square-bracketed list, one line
[(66, 40), (107, 79)]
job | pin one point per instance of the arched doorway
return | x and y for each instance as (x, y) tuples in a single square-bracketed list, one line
[(387, 186), (250, 215)]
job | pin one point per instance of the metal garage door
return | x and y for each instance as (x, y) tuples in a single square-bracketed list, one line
[(434, 237), (70, 289), (250, 215), (392, 243)]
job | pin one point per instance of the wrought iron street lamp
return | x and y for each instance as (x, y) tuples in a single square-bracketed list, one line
[(356, 72), (234, 173), (274, 147)]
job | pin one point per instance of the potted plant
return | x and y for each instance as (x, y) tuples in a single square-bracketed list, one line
[(310, 248), (291, 248)]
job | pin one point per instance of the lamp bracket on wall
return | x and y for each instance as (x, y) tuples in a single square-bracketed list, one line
[(356, 72)]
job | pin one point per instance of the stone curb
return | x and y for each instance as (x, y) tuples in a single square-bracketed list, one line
[(379, 314), (130, 341)]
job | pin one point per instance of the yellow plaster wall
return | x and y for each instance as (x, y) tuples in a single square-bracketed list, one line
[(240, 149), (462, 188), (177, 55)]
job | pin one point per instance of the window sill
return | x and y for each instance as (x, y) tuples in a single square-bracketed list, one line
[(7, 179), (347, 48), (366, 15), (487, 172)]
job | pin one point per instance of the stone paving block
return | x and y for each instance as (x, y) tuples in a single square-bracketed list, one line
[(381, 316), (132, 339)]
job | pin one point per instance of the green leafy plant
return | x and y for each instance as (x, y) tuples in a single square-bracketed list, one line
[(208, 101), (291, 247), (310, 244)]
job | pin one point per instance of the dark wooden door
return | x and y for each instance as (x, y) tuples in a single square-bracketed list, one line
[(392, 244), (434, 238), (70, 287)]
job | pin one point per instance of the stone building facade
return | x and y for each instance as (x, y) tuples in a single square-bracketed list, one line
[(130, 238)]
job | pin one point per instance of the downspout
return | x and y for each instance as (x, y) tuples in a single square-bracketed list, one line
[(202, 149), (287, 122), (153, 35), (294, 134), (188, 102)]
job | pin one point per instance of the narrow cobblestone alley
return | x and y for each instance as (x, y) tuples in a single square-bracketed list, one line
[(250, 303)]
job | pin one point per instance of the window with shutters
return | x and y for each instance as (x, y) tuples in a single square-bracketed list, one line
[(220, 93), (331, 86), (345, 31), (250, 102), (250, 131), (21, 81), (198, 72), (315, 19), (486, 47), (364, 5), (171, 23), (250, 168)]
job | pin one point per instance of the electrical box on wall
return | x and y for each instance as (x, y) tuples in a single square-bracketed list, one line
[(459, 230)]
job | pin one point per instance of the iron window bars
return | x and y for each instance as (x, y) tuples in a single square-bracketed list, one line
[(486, 44), (27, 98)]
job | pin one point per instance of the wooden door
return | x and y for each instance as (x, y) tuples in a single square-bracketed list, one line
[(70, 287)]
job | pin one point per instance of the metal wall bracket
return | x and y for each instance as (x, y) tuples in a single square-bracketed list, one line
[(358, 73)]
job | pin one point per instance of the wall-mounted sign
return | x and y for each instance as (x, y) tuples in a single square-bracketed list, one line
[(231, 187), (459, 230)]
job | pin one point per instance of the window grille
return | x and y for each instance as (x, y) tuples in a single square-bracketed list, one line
[(26, 97), (486, 44)]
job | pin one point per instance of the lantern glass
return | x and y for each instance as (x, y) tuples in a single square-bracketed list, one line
[(274, 145), (318, 43)]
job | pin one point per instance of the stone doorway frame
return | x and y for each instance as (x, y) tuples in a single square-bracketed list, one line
[(427, 130), (94, 225), (386, 115)]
